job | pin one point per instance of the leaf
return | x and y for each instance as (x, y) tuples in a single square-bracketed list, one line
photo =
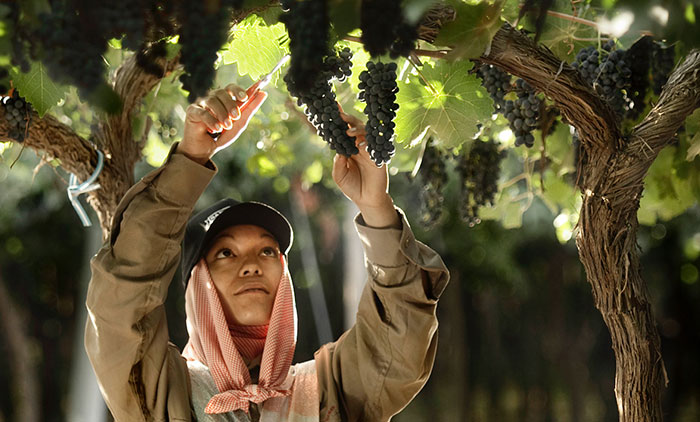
[(666, 194), (692, 128), (270, 15), (694, 148), (450, 113), (471, 32), (564, 37), (38, 88), (255, 48)]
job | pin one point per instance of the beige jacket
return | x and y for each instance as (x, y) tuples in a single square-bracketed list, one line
[(369, 374)]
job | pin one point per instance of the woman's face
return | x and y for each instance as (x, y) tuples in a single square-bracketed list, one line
[(245, 265)]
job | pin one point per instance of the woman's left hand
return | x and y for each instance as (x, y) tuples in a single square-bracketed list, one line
[(365, 184)]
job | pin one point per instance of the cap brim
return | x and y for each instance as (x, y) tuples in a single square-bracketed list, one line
[(255, 213)]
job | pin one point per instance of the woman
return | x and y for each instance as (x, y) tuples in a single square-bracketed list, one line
[(239, 298)]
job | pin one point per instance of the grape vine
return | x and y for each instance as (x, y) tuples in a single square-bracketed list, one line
[(378, 90)]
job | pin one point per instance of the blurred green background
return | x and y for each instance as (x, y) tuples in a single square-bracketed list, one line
[(520, 339)]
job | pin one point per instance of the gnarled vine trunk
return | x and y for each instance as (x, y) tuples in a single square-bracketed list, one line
[(612, 184)]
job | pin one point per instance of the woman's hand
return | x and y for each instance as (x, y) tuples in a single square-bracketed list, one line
[(365, 184), (217, 112)]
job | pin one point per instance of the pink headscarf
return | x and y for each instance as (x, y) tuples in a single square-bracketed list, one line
[(213, 344)]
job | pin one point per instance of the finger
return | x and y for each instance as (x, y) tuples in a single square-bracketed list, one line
[(252, 105), (357, 131), (228, 102), (363, 157), (351, 120), (217, 109), (340, 168), (237, 92), (201, 115)]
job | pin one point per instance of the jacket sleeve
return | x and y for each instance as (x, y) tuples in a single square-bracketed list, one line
[(126, 336), (376, 368)]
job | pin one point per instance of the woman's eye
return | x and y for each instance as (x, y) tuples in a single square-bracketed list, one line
[(224, 253), (269, 252)]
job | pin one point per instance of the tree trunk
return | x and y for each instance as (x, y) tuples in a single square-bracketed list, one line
[(612, 184)]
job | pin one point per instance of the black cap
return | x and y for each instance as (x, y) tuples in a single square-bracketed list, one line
[(205, 225)]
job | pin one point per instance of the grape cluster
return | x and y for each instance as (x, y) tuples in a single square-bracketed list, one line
[(587, 63), (307, 23), (4, 75), (607, 71), (165, 129), (70, 56), (639, 56), (379, 20), (613, 77), (321, 107), (496, 82), (479, 169), (202, 32), (18, 114), (147, 59), (663, 60), (405, 41), (378, 90), (433, 177), (116, 18), (385, 29), (17, 36), (160, 15), (523, 114)]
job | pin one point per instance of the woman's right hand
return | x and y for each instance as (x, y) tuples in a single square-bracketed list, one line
[(217, 112)]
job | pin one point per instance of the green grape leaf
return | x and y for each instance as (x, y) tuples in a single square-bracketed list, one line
[(505, 209), (692, 128), (694, 148), (666, 194), (38, 88), (449, 109), (565, 37), (255, 48), (558, 192), (471, 32), (270, 15)]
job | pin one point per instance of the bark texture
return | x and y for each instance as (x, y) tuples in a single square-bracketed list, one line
[(48, 136), (612, 184)]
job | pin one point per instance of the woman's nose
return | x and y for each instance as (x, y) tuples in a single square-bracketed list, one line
[(250, 267)]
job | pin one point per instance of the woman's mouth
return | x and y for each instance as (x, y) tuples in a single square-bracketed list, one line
[(252, 288)]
